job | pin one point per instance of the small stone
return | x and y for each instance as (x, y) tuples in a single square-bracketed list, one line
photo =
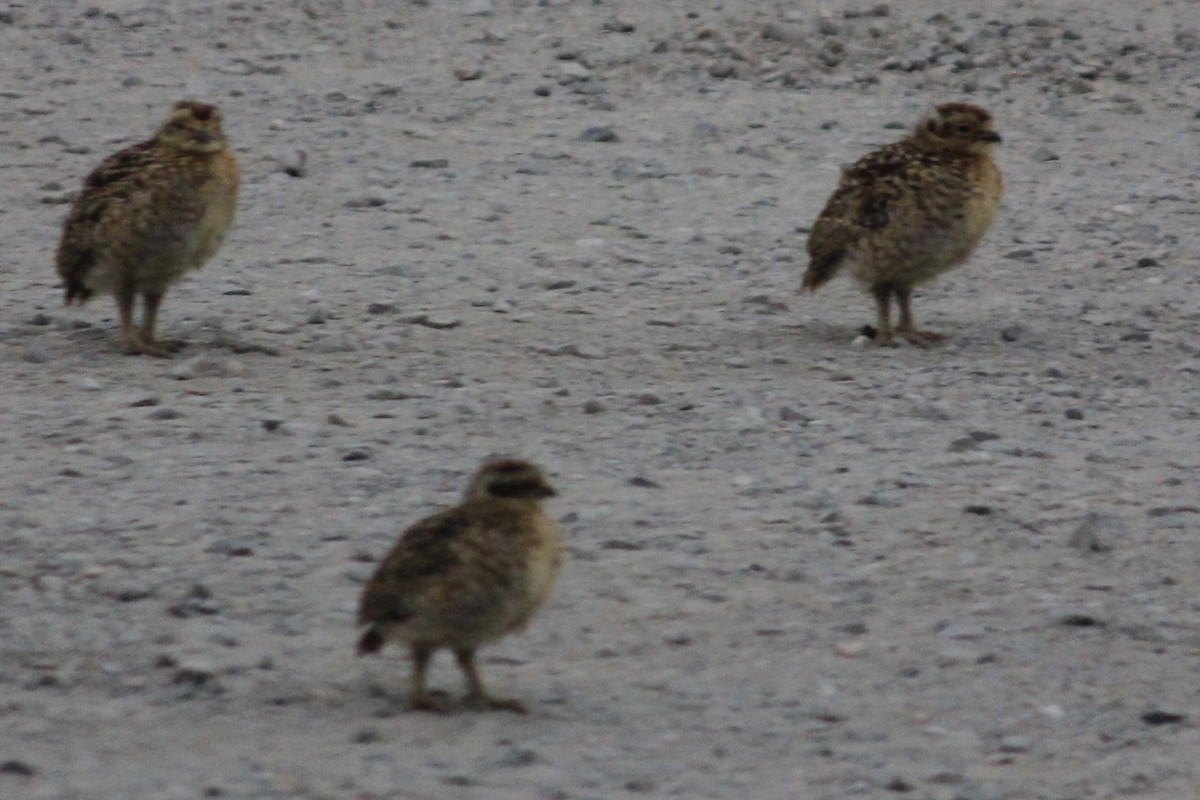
[(1044, 154), (542, 91), (429, 163), (789, 414), (599, 133), (164, 413), (15, 767), (1097, 533), (618, 25), (594, 407), (882, 500), (381, 308), (722, 69), (518, 757), (440, 322), (644, 483), (1160, 717), (1073, 413), (88, 384), (850, 649), (1012, 333), (468, 73), (293, 163), (366, 736), (195, 673), (207, 366), (36, 353), (1015, 744), (40, 319), (388, 393), (573, 71), (367, 201), (318, 315)]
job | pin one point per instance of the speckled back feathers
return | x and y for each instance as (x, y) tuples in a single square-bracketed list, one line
[(914, 208)]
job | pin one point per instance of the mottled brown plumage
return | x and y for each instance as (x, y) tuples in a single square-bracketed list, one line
[(910, 211), (148, 215), (464, 577)]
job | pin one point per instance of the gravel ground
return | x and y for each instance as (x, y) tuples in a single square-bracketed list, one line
[(574, 232)]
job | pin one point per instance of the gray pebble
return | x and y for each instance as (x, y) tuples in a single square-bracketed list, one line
[(439, 321), (789, 414), (599, 133), (722, 69), (164, 413), (1097, 533), (368, 201), (293, 162), (36, 353), (1015, 744), (388, 393)]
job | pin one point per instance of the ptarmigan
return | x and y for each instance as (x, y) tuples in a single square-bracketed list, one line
[(910, 211), (148, 215), (465, 577)]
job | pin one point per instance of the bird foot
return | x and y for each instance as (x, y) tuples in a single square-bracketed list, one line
[(437, 702), (921, 338), (159, 348), (491, 703)]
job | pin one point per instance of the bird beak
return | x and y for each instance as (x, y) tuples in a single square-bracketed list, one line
[(990, 136)]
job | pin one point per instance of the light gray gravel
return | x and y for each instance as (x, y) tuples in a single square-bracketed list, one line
[(798, 568)]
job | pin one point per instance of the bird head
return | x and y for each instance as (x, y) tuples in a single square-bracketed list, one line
[(194, 127), (510, 479), (957, 128)]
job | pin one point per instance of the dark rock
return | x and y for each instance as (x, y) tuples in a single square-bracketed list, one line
[(600, 133)]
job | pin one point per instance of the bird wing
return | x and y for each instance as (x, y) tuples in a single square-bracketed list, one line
[(111, 184), (862, 204), (425, 553)]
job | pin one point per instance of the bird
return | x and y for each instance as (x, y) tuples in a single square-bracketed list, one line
[(148, 215), (909, 211), (464, 577)]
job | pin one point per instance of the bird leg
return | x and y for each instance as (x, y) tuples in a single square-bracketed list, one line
[(162, 347), (419, 698), (908, 327), (883, 330), (477, 694), (131, 338)]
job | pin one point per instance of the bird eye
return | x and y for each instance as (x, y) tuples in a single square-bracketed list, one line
[(962, 128)]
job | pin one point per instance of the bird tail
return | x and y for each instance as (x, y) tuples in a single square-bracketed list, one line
[(819, 272), (371, 641)]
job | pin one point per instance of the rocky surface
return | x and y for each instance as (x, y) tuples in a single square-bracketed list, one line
[(573, 231)]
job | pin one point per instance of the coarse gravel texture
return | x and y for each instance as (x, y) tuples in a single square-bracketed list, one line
[(574, 232)]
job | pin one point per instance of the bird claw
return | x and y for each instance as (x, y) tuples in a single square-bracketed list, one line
[(437, 702), (922, 338), (136, 345), (491, 703)]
